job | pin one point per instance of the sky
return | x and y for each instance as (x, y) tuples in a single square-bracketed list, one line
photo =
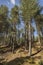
[(11, 3), (41, 2)]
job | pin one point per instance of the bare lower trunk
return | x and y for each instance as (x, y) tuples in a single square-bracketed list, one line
[(25, 38), (30, 50), (38, 31), (13, 44), (14, 37)]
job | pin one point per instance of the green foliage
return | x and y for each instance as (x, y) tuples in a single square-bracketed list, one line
[(29, 8), (3, 12), (15, 14), (4, 18)]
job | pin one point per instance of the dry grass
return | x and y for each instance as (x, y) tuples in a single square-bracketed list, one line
[(21, 57)]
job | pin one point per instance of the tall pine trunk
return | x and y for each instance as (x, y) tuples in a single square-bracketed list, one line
[(30, 49), (25, 37), (38, 31), (13, 37)]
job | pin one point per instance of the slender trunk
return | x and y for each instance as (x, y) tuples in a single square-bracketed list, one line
[(38, 31), (30, 50), (25, 37), (13, 37), (13, 44), (32, 37)]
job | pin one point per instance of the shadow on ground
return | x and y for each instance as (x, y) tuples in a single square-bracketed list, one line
[(22, 60)]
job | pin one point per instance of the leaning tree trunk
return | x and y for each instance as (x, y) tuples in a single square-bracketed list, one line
[(30, 49)]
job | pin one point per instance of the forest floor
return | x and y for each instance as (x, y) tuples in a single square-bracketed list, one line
[(21, 57)]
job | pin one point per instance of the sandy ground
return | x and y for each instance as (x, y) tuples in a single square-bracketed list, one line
[(9, 56)]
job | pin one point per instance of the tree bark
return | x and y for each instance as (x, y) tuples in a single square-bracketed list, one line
[(25, 37), (13, 37), (30, 50), (38, 31)]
